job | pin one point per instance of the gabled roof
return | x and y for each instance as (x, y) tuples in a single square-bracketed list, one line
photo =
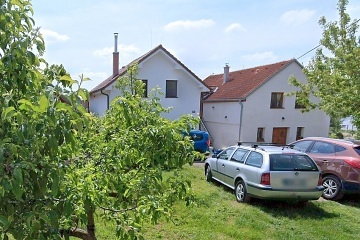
[(123, 70), (243, 82)]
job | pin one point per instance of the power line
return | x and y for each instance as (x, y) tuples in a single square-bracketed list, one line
[(309, 51), (320, 44)]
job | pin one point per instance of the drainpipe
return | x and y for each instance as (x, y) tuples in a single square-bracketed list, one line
[(241, 116), (107, 99)]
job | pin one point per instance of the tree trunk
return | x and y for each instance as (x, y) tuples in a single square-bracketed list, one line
[(90, 227)]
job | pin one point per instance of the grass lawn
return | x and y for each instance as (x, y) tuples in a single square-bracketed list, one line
[(216, 215)]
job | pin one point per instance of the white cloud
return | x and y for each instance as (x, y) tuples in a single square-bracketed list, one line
[(123, 49), (235, 27), (53, 36), (261, 57), (92, 75), (188, 24), (297, 17)]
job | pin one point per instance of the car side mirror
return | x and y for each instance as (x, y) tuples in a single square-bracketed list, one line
[(214, 156)]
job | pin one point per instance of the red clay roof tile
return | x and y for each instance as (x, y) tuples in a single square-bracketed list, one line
[(243, 82)]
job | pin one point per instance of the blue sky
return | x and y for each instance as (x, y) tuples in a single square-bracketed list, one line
[(203, 34)]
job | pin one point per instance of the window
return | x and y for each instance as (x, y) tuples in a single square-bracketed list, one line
[(323, 147), (302, 145), (339, 148), (255, 159), (290, 162), (145, 82), (299, 133), (260, 135), (297, 103), (171, 88), (277, 100), (226, 153), (239, 155)]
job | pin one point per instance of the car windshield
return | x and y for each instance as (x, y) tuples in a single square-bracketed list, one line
[(291, 162)]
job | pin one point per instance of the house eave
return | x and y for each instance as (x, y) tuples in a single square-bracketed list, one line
[(226, 100)]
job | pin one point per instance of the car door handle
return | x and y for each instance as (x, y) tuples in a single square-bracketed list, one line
[(325, 161), (238, 169), (223, 165)]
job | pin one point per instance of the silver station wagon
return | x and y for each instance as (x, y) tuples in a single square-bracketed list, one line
[(267, 172)]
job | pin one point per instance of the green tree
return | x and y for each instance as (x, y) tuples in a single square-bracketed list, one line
[(122, 171), (38, 130), (333, 75), (59, 166)]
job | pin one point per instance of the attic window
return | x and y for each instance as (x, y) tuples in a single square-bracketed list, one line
[(277, 99), (171, 88)]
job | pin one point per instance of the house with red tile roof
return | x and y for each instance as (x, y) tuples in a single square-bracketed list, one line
[(158, 68), (251, 105)]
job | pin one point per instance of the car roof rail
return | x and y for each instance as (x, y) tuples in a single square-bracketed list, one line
[(257, 144)]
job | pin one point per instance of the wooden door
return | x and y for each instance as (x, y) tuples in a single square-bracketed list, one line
[(279, 135)]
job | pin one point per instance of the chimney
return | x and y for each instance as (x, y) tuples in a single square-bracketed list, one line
[(226, 73), (115, 57)]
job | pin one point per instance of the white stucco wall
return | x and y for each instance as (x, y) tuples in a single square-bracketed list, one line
[(222, 121), (156, 70), (98, 104), (257, 113)]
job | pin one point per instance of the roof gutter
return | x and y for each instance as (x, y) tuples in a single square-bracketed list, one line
[(225, 100), (107, 99), (241, 100)]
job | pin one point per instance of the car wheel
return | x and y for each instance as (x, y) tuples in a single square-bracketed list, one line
[(208, 173), (241, 193), (332, 188)]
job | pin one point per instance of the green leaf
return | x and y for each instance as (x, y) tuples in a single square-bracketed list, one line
[(17, 3), (31, 56), (25, 104), (67, 78), (55, 183), (18, 175), (8, 113), (83, 94), (43, 103), (63, 107), (4, 221), (16, 189)]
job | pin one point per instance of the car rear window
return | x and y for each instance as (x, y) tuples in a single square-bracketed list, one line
[(291, 162), (357, 150)]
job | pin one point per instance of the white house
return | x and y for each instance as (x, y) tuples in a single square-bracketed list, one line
[(347, 124), (251, 105), (158, 68)]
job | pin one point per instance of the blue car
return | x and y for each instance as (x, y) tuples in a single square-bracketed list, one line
[(201, 140)]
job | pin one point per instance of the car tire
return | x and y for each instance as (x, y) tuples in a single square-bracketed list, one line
[(208, 174), (332, 188), (241, 193)]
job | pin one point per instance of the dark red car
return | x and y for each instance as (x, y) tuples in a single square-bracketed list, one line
[(338, 159)]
